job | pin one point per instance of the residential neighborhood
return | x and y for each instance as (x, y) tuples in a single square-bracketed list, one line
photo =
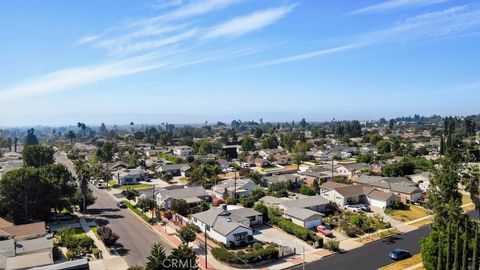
[(235, 134)]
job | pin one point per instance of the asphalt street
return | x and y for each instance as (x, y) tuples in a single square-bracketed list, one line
[(373, 255), (136, 237)]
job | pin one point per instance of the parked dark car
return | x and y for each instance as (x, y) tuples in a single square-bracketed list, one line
[(121, 204), (399, 254)]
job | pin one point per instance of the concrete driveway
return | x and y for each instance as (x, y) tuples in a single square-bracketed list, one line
[(266, 233)]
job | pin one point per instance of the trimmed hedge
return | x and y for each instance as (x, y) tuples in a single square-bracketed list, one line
[(139, 212), (258, 255), (299, 231)]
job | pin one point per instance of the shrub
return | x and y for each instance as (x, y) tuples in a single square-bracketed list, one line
[(333, 245), (108, 237), (258, 255), (96, 252), (257, 246), (130, 193), (69, 255)]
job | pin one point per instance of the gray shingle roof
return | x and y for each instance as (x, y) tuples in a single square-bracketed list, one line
[(222, 221), (302, 214), (181, 193), (305, 202)]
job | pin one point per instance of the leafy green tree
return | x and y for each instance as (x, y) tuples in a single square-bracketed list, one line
[(156, 258), (23, 193), (439, 256), (277, 190), (30, 138), (61, 184), (70, 136), (204, 206), (270, 142), (146, 204), (109, 238), (299, 153), (181, 207), (383, 147), (37, 155), (248, 143), (187, 234), (306, 190), (448, 260)]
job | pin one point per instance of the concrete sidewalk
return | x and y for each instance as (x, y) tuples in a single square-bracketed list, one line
[(109, 261)]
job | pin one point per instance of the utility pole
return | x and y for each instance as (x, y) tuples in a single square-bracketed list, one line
[(154, 201), (235, 187), (303, 263), (206, 247)]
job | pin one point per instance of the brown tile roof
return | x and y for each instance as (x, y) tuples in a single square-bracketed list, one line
[(332, 185), (27, 231), (353, 190), (4, 223), (377, 194)]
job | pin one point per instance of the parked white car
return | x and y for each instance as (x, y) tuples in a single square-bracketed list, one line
[(353, 208)]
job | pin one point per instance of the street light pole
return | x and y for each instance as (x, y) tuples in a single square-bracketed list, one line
[(206, 247)]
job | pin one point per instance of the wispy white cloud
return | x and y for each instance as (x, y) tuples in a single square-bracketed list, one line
[(439, 24), (163, 4), (299, 57), (87, 39), (195, 8), (78, 76), (395, 4), (245, 24)]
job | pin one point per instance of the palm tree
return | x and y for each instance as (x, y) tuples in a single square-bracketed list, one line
[(82, 170), (471, 182), (156, 258)]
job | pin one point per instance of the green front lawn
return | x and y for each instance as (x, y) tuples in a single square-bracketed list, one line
[(139, 212), (413, 212), (136, 186)]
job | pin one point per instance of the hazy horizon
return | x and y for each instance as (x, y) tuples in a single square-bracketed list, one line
[(215, 60)]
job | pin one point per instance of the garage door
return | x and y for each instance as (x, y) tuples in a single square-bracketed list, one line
[(312, 223), (377, 203)]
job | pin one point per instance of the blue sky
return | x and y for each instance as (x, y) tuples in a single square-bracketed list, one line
[(187, 61)]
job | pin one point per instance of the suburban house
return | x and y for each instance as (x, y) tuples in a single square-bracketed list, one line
[(401, 186), (281, 178), (230, 227), (192, 195), (269, 153), (355, 194), (282, 160), (175, 169), (351, 171), (304, 217), (422, 180), (129, 176), (183, 151), (24, 246), (241, 187), (302, 210), (258, 162)]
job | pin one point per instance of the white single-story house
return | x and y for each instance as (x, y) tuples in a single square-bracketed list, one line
[(175, 169), (242, 188), (230, 227), (129, 176), (183, 151), (355, 194), (400, 186), (303, 217), (192, 195)]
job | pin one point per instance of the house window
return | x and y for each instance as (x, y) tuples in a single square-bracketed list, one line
[(251, 218), (240, 237)]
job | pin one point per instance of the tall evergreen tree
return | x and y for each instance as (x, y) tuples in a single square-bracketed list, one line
[(156, 258), (475, 249), (439, 255), (456, 247), (465, 248), (448, 262)]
